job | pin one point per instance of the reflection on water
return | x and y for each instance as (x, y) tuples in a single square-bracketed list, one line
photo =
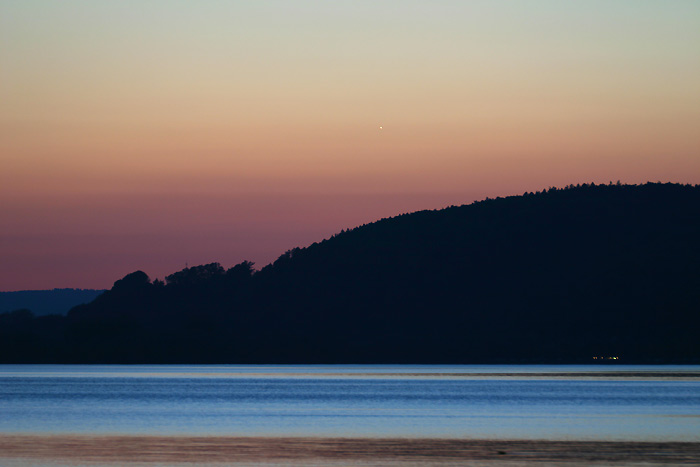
[(515, 402), (200, 371)]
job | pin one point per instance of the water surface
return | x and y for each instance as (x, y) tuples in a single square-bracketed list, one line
[(636, 403)]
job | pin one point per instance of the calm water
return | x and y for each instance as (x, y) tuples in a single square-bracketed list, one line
[(416, 401)]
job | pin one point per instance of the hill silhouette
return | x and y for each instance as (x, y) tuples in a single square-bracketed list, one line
[(46, 302), (563, 275)]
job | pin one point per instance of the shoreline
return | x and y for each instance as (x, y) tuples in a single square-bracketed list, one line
[(624, 375), (151, 449)]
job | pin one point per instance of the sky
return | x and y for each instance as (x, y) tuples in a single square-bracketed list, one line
[(157, 134)]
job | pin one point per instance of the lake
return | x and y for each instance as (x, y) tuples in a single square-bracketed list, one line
[(532, 402)]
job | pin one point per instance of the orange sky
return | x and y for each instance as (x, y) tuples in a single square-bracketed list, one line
[(143, 135)]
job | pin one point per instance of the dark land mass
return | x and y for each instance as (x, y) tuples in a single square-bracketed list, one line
[(46, 302), (559, 276)]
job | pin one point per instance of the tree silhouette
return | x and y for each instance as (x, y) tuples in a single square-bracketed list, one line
[(558, 276)]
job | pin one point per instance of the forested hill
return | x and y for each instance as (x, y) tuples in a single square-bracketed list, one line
[(564, 275)]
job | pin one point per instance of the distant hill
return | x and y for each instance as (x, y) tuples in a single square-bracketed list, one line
[(46, 302), (562, 275)]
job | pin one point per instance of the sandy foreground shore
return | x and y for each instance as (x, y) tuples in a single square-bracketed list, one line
[(211, 450)]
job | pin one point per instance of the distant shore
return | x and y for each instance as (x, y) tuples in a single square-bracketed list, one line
[(629, 375), (344, 451)]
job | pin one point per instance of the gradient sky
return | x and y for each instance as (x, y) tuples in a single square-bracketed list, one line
[(150, 134)]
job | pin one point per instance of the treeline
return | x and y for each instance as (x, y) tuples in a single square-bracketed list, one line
[(562, 275)]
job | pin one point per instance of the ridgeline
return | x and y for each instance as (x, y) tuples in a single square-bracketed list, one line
[(46, 302), (559, 276)]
